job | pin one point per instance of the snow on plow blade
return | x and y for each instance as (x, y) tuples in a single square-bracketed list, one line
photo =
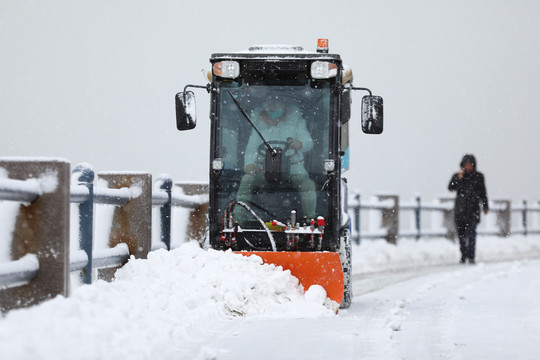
[(311, 268)]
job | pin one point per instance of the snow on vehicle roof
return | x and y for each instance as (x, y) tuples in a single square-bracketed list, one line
[(275, 51)]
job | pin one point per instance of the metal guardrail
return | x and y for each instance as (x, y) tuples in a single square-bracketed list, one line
[(131, 192), (19, 271), (102, 258), (19, 190), (390, 208), (133, 196), (29, 190)]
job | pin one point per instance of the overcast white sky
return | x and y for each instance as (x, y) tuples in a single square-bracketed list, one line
[(94, 81)]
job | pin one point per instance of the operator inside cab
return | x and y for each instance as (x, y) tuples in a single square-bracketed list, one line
[(281, 123)]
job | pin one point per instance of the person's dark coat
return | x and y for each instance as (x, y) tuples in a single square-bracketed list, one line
[(471, 194)]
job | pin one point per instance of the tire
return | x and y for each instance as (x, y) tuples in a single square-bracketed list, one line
[(345, 256)]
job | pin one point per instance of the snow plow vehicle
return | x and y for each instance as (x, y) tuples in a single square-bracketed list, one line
[(279, 144)]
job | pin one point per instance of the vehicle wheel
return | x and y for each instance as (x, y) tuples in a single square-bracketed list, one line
[(346, 263)]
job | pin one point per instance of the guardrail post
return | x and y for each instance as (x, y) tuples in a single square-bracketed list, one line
[(390, 218), (132, 223), (503, 217), (524, 217), (165, 183), (84, 175), (42, 228), (533, 223), (417, 216), (196, 228), (449, 221), (357, 219)]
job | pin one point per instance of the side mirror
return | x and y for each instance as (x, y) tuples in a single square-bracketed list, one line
[(372, 114), (186, 111)]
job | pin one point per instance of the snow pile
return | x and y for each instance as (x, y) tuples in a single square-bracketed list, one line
[(378, 255), (219, 283), (154, 303), (174, 297)]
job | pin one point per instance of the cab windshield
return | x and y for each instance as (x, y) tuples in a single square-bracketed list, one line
[(293, 119)]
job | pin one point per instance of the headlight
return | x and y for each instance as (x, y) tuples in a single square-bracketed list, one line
[(227, 69), (323, 70)]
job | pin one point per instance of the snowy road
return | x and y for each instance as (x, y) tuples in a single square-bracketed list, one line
[(487, 311), (411, 302)]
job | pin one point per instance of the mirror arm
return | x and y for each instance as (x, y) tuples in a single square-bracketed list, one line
[(208, 88), (363, 89)]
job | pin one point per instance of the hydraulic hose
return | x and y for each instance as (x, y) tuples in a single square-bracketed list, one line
[(270, 237)]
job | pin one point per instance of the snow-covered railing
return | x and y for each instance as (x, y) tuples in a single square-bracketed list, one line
[(102, 258), (529, 213), (40, 241), (41, 228), (383, 217), (384, 213), (19, 271), (19, 190)]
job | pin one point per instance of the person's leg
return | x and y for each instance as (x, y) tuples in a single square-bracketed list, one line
[(471, 249), (308, 197), (245, 189), (245, 192), (462, 235)]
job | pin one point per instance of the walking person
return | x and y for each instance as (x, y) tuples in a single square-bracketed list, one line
[(471, 195)]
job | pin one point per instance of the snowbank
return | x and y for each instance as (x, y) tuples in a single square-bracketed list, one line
[(165, 300), (153, 303), (378, 255)]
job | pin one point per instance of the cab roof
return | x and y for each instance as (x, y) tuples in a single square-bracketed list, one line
[(274, 52)]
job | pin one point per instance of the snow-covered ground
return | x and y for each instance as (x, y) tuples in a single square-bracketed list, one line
[(412, 301)]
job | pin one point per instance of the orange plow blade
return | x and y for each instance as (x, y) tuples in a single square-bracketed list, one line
[(311, 268)]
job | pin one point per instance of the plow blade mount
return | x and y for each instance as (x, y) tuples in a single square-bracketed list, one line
[(311, 268)]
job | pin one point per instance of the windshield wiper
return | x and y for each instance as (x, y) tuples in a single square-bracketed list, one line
[(266, 143)]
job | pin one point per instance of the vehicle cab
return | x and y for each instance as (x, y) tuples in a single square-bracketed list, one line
[(279, 143)]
